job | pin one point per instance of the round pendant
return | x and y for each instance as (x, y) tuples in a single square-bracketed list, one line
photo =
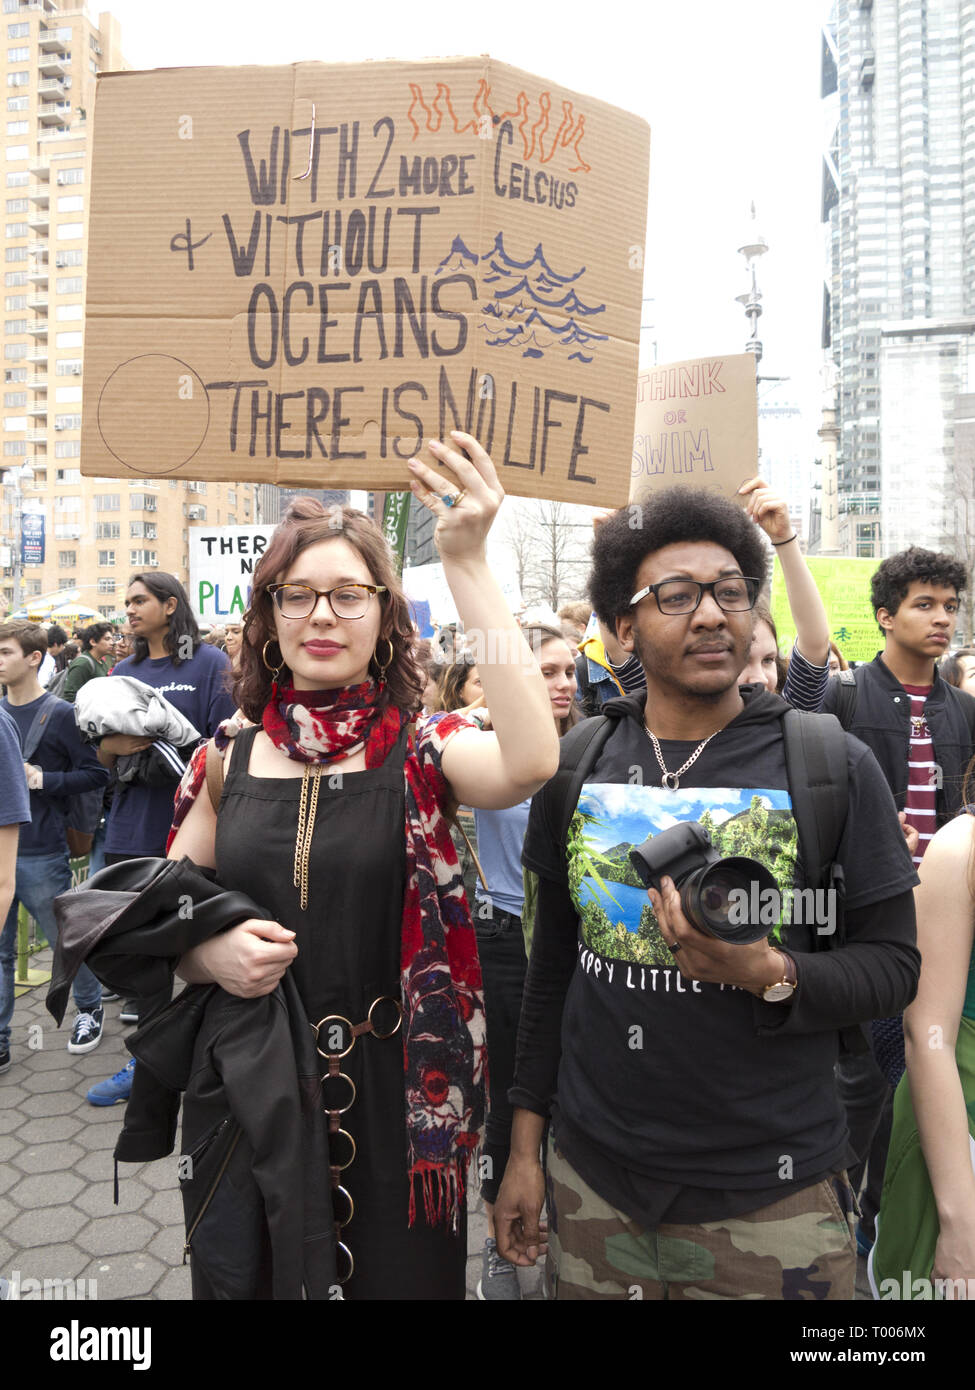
[(671, 781)]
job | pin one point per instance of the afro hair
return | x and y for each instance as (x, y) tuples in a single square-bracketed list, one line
[(678, 514)]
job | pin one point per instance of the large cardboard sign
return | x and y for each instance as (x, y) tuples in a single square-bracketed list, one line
[(844, 586), (222, 564), (299, 274), (696, 426)]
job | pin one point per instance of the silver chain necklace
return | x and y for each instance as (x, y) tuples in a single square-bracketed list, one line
[(671, 780)]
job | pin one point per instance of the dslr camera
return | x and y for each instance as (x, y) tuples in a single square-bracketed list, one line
[(703, 879)]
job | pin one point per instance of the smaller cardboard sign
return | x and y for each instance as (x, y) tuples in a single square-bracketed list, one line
[(696, 425), (32, 538), (222, 564), (844, 586)]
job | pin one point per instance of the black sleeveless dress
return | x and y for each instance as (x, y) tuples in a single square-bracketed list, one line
[(348, 941)]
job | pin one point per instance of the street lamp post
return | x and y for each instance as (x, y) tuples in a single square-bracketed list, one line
[(754, 248), (14, 478)]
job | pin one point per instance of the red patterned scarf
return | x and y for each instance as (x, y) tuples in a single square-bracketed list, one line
[(444, 1042)]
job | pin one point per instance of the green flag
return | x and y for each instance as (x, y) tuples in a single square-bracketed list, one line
[(396, 514)]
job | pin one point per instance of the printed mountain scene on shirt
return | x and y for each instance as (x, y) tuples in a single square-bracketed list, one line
[(613, 817)]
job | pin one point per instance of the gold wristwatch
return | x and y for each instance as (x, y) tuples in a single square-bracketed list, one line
[(786, 987)]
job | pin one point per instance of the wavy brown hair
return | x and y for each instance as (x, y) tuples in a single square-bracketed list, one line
[(451, 682), (763, 614), (306, 523)]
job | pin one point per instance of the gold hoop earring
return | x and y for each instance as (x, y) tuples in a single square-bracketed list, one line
[(275, 670), (384, 667)]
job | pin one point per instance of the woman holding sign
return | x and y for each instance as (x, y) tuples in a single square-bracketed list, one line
[(334, 809)]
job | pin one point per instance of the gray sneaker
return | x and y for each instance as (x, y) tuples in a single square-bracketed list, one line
[(499, 1279)]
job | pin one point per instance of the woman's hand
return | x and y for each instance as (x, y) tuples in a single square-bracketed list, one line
[(463, 525), (768, 509), (247, 960)]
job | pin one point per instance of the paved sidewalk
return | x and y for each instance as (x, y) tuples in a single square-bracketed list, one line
[(57, 1216)]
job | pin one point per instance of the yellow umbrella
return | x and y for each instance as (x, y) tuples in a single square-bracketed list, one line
[(74, 613), (41, 608)]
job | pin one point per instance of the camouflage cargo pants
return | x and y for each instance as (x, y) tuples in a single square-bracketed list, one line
[(802, 1247)]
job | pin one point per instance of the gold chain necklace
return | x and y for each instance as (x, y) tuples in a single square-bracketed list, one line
[(671, 780), (306, 828)]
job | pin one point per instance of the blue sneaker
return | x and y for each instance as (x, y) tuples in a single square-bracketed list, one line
[(117, 1087)]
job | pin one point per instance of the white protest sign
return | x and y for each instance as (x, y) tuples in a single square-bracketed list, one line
[(222, 564)]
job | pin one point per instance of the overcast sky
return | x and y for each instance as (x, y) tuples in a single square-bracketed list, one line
[(729, 87)]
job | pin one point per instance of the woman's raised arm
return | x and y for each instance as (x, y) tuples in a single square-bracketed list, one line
[(945, 914), (488, 770)]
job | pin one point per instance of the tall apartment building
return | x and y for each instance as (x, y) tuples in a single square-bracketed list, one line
[(898, 204), (97, 531)]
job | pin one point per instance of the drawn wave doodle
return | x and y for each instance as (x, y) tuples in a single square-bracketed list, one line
[(532, 306)]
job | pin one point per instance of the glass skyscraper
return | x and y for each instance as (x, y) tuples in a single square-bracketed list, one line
[(898, 207)]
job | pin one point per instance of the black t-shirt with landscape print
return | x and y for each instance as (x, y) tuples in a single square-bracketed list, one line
[(688, 1101)]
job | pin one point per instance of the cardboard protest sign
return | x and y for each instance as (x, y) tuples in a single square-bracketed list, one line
[(299, 274), (222, 564), (844, 585), (696, 425)]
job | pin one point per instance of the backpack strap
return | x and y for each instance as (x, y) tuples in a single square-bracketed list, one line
[(818, 772), (36, 731), (816, 764), (967, 703), (846, 697), (215, 774), (579, 751)]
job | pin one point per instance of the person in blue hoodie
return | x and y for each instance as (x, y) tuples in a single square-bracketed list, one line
[(60, 766)]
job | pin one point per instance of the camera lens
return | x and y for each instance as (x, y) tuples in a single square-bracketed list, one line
[(709, 894)]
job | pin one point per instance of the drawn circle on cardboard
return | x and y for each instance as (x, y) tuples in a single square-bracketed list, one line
[(153, 376)]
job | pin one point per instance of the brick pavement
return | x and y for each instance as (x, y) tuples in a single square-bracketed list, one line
[(57, 1216)]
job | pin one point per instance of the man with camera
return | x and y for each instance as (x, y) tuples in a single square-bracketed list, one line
[(697, 1146)]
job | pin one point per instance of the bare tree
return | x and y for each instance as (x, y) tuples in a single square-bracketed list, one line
[(549, 543), (521, 541), (562, 560)]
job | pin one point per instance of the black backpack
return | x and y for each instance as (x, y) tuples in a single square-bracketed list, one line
[(818, 776)]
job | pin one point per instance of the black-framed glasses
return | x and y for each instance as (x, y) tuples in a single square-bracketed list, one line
[(735, 594), (345, 601)]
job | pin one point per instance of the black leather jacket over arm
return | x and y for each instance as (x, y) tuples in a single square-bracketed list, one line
[(248, 1068)]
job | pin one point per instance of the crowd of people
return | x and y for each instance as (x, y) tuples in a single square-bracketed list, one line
[(459, 910)]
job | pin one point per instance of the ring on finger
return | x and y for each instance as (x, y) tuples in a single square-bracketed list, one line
[(450, 499), (674, 947)]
